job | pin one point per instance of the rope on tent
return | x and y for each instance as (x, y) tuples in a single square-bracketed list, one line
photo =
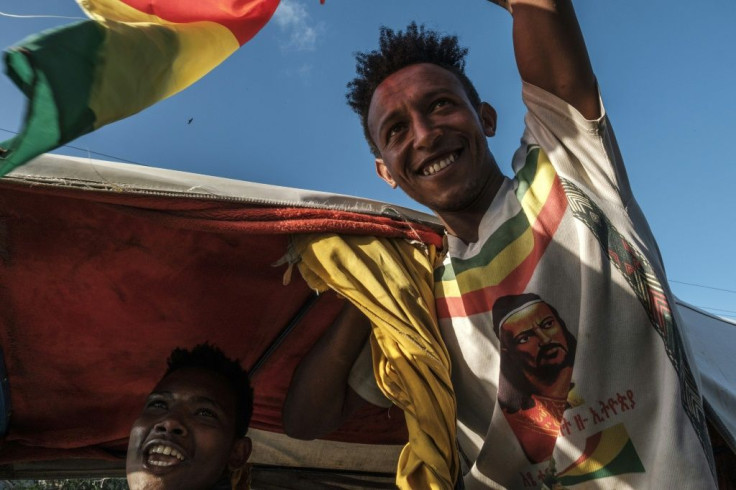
[(20, 16)]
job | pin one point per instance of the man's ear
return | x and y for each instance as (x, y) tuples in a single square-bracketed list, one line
[(239, 453), (382, 171), (488, 118)]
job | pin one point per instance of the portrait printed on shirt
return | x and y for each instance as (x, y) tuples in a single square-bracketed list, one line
[(537, 356)]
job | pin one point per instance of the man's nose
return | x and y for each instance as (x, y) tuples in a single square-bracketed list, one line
[(426, 133), (171, 425), (542, 336)]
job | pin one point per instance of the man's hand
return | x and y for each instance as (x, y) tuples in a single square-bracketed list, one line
[(319, 398), (502, 3)]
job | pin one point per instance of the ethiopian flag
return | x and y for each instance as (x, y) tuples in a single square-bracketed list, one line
[(607, 453), (132, 54)]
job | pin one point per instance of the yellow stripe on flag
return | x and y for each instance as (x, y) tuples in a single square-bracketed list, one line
[(612, 442), (171, 56)]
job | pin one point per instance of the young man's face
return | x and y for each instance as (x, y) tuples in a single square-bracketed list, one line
[(431, 139), (185, 437)]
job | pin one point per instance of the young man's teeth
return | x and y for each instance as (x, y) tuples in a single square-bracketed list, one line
[(166, 451), (437, 166), (161, 463)]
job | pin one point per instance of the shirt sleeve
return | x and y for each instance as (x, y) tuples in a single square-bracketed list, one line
[(582, 150), (362, 380)]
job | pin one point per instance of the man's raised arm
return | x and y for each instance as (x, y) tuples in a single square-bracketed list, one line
[(551, 53)]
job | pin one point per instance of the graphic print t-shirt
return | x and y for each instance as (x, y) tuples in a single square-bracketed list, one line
[(568, 365)]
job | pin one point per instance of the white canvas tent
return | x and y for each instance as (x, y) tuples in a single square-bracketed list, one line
[(713, 339)]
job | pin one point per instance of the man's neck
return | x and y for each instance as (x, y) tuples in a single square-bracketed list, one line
[(465, 223)]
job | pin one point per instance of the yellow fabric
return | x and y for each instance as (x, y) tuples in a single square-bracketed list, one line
[(390, 281)]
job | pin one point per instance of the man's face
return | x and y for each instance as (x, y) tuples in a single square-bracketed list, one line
[(431, 139), (535, 338), (185, 437)]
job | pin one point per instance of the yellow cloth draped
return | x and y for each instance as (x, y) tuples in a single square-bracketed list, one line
[(390, 281)]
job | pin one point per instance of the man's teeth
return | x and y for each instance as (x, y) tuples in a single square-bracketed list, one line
[(166, 451), (161, 463), (437, 166)]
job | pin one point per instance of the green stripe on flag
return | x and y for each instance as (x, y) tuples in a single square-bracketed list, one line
[(626, 461), (55, 70)]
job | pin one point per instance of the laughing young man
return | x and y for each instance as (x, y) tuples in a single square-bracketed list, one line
[(191, 432), (565, 228)]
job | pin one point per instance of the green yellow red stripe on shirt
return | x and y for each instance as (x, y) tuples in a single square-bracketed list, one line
[(508, 258)]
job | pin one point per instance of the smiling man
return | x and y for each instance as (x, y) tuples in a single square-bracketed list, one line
[(191, 432), (567, 228)]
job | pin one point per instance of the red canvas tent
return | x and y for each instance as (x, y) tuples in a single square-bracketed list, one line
[(104, 268)]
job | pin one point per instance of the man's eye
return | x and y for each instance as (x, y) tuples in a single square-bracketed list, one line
[(394, 130), (206, 412), (439, 104), (522, 339), (159, 404)]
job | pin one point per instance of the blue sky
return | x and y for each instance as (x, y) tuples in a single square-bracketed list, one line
[(274, 112)]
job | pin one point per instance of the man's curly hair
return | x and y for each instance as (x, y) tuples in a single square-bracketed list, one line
[(208, 357), (398, 50)]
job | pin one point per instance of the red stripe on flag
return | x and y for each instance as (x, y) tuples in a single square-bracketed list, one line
[(243, 18), (591, 444)]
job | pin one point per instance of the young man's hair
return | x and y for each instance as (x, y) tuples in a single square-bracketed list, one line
[(208, 357), (398, 50)]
